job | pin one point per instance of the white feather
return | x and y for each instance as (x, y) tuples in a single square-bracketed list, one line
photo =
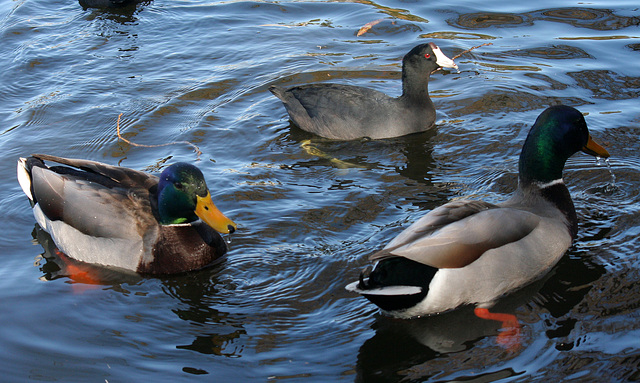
[(24, 178), (387, 290)]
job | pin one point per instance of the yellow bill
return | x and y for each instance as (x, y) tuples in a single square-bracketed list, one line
[(209, 213)]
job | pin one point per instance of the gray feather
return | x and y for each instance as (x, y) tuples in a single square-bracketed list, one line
[(458, 233)]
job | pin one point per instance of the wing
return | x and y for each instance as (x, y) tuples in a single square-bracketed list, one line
[(91, 201), (91, 170), (322, 99), (334, 110), (456, 234)]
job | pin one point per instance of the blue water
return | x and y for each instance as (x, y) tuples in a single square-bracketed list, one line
[(309, 214)]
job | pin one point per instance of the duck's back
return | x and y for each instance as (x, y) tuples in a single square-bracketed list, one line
[(349, 112), (89, 215)]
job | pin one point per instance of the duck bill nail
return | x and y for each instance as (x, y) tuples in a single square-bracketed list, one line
[(593, 148), (209, 213), (443, 60)]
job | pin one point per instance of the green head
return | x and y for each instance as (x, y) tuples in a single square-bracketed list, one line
[(558, 133), (183, 197)]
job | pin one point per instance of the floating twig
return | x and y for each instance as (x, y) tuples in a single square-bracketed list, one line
[(463, 52), (195, 147), (470, 49)]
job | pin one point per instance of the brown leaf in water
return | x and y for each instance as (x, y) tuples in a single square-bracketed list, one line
[(368, 26)]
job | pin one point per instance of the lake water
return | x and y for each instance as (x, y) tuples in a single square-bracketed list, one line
[(310, 213)]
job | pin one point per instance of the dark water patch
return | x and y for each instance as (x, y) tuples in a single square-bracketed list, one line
[(597, 19), (551, 84), (490, 20), (608, 85), (503, 102), (554, 52)]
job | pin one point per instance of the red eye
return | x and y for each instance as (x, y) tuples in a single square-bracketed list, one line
[(426, 55)]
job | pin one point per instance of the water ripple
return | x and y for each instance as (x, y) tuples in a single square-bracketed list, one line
[(311, 211)]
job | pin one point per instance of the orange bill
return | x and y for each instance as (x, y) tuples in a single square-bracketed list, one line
[(209, 213), (593, 148)]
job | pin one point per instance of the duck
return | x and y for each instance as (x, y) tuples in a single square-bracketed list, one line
[(472, 252), (123, 218), (348, 112), (109, 4)]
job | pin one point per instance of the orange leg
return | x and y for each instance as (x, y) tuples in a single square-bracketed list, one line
[(509, 336)]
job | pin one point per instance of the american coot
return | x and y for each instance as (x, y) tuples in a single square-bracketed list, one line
[(121, 217), (472, 252), (346, 112)]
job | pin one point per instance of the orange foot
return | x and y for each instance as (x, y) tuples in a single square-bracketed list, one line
[(79, 273), (509, 336)]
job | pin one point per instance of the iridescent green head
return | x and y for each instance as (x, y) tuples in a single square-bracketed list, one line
[(183, 197), (558, 133)]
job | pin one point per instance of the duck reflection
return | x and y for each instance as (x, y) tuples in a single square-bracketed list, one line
[(195, 292), (218, 333), (408, 350), (54, 265), (411, 156)]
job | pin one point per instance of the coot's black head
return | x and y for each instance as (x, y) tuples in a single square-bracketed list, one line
[(427, 58)]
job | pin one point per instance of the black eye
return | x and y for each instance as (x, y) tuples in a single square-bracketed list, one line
[(178, 185)]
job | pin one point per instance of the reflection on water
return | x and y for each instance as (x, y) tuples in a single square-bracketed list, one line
[(598, 19), (310, 211), (487, 20), (607, 84), (554, 52), (406, 349)]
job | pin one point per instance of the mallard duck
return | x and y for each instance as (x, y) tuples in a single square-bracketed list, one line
[(347, 112), (115, 216), (473, 252)]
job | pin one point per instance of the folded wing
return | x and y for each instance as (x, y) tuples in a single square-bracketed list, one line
[(456, 234)]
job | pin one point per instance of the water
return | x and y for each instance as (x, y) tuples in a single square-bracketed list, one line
[(310, 212)]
